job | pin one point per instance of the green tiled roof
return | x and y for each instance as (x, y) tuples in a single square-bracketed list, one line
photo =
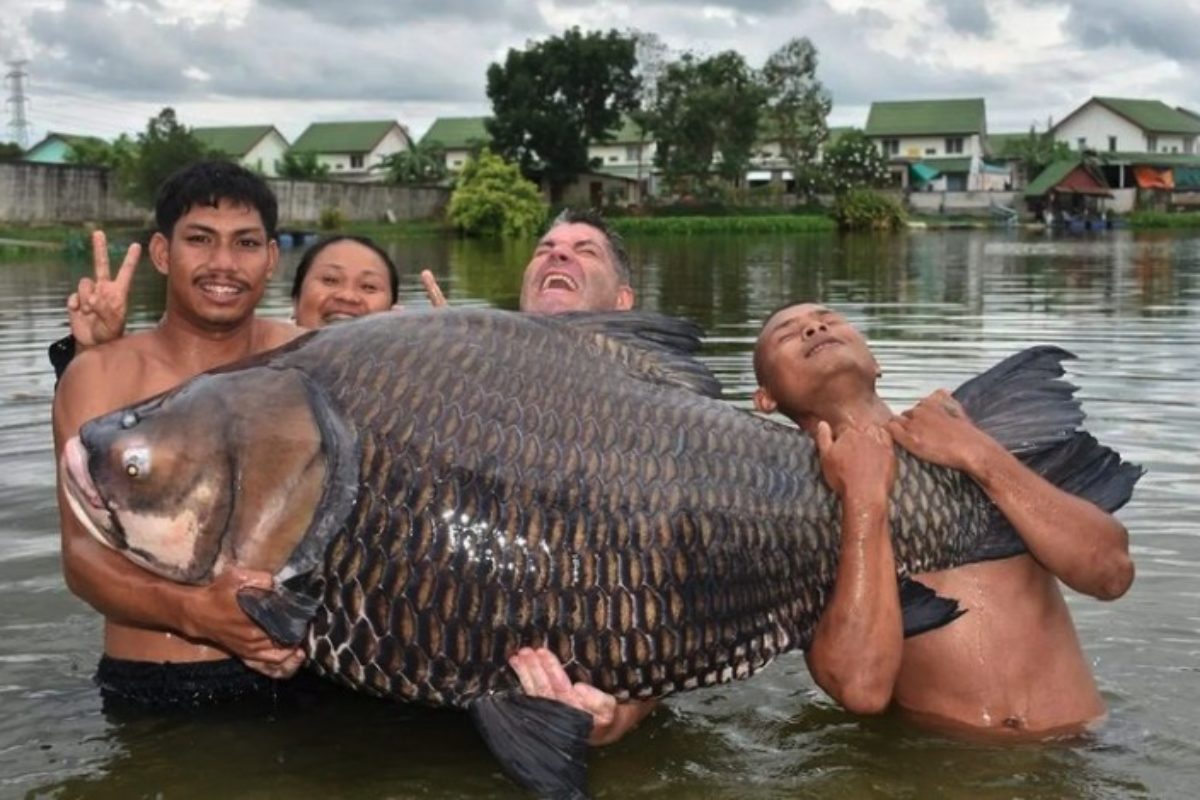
[(1151, 115), (454, 133), (236, 140), (342, 137), (628, 133), (1050, 177), (926, 117)]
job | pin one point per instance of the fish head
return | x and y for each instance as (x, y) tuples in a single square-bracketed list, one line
[(228, 469)]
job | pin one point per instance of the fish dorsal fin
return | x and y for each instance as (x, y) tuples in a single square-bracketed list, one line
[(654, 347), (1023, 402)]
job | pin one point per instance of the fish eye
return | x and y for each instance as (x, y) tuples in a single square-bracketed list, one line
[(129, 420), (136, 462)]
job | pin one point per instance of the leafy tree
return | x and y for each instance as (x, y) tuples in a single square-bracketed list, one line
[(863, 210), (854, 162), (551, 99), (493, 199), (1037, 151), (797, 102), (705, 108), (10, 151), (301, 167), (116, 155), (163, 148), (419, 164)]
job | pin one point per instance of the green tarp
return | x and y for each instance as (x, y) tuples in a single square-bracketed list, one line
[(1187, 177), (922, 173)]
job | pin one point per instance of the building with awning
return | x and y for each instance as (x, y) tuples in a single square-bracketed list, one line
[(1067, 189)]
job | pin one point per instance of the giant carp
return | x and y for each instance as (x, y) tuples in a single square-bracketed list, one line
[(434, 491)]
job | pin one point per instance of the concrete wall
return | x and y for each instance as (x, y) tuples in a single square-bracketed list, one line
[(60, 193), (975, 203)]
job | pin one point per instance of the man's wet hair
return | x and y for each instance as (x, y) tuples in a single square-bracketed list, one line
[(207, 183), (310, 255), (616, 245)]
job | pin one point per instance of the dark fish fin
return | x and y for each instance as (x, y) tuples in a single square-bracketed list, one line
[(923, 610), (669, 343), (540, 743), (1022, 402), (282, 612)]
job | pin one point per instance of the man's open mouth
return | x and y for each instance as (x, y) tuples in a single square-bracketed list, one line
[(558, 281), (822, 345)]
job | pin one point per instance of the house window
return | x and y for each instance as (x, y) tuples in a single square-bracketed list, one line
[(633, 152), (1174, 149), (1151, 144), (931, 151), (356, 161), (456, 162), (1081, 142), (1189, 146), (613, 159), (954, 145), (1112, 144), (891, 147)]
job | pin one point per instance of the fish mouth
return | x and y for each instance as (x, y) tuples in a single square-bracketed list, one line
[(84, 499)]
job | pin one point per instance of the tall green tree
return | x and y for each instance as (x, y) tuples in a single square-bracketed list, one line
[(164, 147), (706, 118), (550, 99), (797, 103), (420, 164), (10, 151), (301, 167)]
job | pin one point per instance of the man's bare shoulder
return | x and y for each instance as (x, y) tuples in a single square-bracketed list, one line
[(272, 333)]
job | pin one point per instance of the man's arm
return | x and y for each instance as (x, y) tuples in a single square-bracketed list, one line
[(128, 595), (1081, 544), (856, 648)]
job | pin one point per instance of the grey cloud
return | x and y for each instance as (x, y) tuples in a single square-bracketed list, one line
[(967, 16), (1166, 27), (130, 53), (360, 13)]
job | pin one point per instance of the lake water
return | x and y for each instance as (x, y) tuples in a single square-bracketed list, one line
[(938, 307)]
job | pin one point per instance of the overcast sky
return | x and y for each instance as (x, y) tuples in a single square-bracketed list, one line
[(104, 66)]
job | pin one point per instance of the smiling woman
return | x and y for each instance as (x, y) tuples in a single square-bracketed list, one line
[(341, 278)]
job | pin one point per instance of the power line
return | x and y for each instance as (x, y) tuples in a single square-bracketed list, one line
[(17, 123)]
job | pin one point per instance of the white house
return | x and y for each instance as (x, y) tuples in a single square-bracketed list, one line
[(256, 147), (458, 137), (1119, 125), (935, 144), (353, 150)]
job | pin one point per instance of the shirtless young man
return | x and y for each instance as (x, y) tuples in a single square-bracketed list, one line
[(1011, 665), (165, 643)]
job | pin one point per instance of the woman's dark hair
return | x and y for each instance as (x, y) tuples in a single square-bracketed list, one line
[(311, 254)]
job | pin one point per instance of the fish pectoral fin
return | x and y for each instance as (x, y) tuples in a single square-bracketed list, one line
[(283, 613), (922, 609), (541, 744)]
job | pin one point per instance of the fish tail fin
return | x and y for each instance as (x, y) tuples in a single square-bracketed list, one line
[(923, 610), (1025, 405), (541, 744)]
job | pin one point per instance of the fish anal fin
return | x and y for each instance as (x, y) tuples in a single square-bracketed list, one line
[(922, 609), (541, 744), (283, 613)]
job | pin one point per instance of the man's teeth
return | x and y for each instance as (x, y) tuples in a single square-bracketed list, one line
[(558, 281), (220, 288)]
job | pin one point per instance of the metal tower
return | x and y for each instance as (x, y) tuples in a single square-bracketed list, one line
[(18, 123)]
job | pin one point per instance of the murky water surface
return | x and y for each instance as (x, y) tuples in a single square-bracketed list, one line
[(938, 307)]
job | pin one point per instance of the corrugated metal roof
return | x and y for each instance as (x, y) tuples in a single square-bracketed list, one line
[(1050, 177), (1151, 115), (455, 133)]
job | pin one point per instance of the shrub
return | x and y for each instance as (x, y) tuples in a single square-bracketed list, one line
[(863, 209), (493, 199), (331, 219)]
